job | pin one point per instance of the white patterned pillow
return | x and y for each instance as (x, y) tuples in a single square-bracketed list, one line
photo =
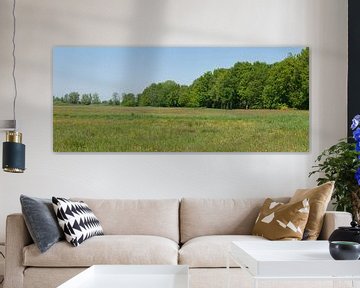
[(77, 220)]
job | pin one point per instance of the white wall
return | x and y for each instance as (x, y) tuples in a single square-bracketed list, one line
[(319, 24)]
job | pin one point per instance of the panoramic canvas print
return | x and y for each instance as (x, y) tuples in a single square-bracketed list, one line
[(181, 99)]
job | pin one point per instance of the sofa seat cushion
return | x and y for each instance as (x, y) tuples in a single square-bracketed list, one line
[(211, 251), (107, 249)]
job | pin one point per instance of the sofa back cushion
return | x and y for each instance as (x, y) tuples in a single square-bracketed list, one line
[(159, 217), (200, 217)]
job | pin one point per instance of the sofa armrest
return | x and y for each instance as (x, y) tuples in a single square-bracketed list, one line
[(333, 220), (17, 237)]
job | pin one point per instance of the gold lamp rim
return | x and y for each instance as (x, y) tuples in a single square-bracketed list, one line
[(13, 170), (14, 136)]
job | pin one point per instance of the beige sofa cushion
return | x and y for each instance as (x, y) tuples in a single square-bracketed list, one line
[(158, 217), (107, 249), (333, 220), (211, 251), (200, 217)]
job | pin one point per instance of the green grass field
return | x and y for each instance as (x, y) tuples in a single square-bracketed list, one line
[(98, 128)]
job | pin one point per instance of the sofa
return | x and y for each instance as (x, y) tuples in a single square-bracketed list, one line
[(194, 232)]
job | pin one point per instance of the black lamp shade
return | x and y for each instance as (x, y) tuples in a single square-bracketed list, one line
[(13, 157)]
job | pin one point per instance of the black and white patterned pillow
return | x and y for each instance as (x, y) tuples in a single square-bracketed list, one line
[(77, 220)]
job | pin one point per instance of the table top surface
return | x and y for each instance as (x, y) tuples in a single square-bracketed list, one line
[(131, 276), (286, 250), (291, 258)]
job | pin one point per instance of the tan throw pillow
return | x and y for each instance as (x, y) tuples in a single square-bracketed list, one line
[(319, 198), (279, 221)]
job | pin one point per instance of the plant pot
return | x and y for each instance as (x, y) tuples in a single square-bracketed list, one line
[(344, 233)]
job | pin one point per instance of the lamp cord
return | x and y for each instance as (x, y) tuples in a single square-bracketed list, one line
[(2, 280), (14, 60)]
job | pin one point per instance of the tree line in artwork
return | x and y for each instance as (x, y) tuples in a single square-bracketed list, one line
[(245, 85)]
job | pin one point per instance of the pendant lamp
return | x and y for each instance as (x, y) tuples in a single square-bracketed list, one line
[(13, 158)]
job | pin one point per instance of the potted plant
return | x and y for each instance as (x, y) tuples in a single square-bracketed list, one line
[(341, 163)]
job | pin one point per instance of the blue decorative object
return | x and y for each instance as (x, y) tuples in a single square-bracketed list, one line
[(355, 122), (356, 134)]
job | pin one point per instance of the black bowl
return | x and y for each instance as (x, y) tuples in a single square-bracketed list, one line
[(344, 250)]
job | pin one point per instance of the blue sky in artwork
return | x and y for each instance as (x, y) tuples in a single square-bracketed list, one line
[(130, 69)]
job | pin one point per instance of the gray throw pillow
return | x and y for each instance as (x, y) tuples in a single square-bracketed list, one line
[(41, 221)]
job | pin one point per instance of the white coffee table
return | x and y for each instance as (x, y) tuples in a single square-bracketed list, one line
[(300, 260), (131, 276)]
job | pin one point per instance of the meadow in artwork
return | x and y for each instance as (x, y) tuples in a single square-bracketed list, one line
[(148, 99)]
